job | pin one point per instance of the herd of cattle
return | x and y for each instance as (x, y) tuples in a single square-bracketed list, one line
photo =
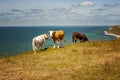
[(58, 38)]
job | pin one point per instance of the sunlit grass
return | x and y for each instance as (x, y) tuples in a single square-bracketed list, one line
[(98, 60)]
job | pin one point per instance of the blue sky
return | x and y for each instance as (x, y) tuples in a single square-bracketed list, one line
[(59, 12)]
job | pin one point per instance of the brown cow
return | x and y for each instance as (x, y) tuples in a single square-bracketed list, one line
[(78, 36), (57, 36)]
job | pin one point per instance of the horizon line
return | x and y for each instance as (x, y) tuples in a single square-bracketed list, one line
[(51, 25)]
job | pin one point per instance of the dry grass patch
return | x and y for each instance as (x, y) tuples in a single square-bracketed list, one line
[(81, 61)]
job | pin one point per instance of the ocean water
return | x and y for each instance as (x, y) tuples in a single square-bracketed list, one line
[(14, 40)]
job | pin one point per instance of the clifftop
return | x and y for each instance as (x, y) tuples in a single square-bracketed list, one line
[(114, 30)]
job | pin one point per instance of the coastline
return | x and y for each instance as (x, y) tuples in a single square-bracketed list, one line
[(106, 33)]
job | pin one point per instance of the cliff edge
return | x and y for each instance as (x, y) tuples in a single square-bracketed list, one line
[(114, 31)]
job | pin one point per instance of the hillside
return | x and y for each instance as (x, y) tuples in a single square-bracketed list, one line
[(82, 61), (114, 30)]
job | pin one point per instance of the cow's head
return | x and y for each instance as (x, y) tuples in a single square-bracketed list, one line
[(50, 33)]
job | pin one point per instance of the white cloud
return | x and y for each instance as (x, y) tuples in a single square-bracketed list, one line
[(87, 3)]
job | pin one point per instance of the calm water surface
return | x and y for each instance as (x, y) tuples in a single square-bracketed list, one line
[(14, 40)]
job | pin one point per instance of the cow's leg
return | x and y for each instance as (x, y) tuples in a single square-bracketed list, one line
[(73, 40), (82, 40), (34, 49), (61, 43), (54, 45), (58, 44), (43, 46)]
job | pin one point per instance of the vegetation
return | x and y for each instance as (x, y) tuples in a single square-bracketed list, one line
[(97, 60), (114, 30)]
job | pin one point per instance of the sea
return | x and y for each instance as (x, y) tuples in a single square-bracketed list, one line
[(18, 39)]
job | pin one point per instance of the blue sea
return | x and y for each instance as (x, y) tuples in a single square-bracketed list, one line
[(18, 39)]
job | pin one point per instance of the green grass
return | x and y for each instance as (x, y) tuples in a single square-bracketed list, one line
[(82, 61)]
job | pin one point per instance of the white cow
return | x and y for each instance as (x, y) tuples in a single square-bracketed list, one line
[(39, 41)]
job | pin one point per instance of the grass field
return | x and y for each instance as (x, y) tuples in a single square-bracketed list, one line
[(98, 60)]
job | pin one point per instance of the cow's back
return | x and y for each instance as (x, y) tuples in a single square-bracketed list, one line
[(38, 40), (83, 36), (58, 35)]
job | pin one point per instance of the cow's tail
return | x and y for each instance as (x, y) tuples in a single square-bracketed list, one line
[(34, 46)]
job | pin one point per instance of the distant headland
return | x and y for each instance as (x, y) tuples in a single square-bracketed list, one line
[(113, 31)]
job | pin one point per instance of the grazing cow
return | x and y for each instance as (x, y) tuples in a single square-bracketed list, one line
[(57, 36), (78, 36), (38, 41)]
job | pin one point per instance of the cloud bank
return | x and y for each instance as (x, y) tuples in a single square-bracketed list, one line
[(73, 13)]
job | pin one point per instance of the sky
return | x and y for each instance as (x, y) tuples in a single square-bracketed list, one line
[(59, 12)]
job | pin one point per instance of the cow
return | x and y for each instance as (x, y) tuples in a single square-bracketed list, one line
[(79, 36), (39, 41), (57, 36)]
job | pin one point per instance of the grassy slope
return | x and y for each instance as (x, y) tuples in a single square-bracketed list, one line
[(82, 61)]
